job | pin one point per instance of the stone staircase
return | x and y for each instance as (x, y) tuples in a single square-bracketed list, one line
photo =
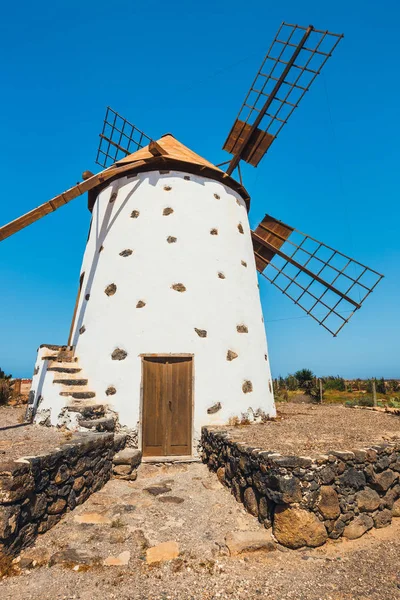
[(80, 403)]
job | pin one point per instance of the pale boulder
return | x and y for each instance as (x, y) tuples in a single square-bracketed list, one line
[(358, 527), (249, 541)]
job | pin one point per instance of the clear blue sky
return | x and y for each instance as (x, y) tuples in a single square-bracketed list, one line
[(184, 67)]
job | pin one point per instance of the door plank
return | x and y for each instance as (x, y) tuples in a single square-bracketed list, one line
[(154, 414), (180, 407)]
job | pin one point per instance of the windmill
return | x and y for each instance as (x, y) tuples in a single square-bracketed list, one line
[(167, 333)]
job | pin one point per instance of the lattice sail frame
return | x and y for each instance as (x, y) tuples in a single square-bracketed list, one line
[(327, 284), (293, 61), (118, 139)]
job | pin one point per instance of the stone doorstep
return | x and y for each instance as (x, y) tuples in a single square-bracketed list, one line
[(129, 457), (171, 459)]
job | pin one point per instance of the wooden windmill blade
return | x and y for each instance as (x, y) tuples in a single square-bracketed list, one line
[(44, 209), (293, 61), (116, 131), (118, 138), (328, 285)]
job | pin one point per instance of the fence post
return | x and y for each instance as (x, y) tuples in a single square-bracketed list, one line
[(320, 390), (374, 392)]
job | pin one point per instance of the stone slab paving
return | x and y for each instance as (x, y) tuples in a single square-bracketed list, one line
[(126, 542)]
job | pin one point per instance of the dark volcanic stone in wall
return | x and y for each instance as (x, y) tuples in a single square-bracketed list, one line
[(214, 408), (201, 332), (110, 289), (247, 387), (242, 328), (119, 354), (352, 479), (178, 287)]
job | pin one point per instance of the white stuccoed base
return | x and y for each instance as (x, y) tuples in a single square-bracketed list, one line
[(167, 322)]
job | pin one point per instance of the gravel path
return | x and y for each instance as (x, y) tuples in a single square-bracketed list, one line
[(19, 439), (107, 525), (307, 429)]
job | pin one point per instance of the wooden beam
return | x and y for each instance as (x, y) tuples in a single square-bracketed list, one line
[(61, 199), (110, 141), (156, 149)]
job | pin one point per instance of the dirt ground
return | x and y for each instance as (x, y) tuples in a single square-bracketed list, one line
[(121, 519), (309, 429), (19, 439)]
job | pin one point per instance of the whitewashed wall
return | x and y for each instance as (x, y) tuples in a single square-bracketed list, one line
[(167, 322), (47, 405)]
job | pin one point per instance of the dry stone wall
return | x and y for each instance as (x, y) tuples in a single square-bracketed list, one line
[(35, 492), (308, 500)]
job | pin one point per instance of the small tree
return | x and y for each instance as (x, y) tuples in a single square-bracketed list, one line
[(334, 383), (304, 376), (3, 375), (291, 383), (308, 383), (393, 385), (5, 387), (380, 386)]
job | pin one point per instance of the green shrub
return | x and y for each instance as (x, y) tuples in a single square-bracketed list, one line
[(5, 391), (334, 383), (365, 401)]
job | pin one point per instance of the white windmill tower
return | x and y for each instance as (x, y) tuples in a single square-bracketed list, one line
[(167, 333)]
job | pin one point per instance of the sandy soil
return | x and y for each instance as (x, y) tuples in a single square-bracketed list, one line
[(108, 524), (309, 429), (18, 439)]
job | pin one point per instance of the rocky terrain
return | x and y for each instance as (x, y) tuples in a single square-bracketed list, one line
[(176, 533), (310, 429)]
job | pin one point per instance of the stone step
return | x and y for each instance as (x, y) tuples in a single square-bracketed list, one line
[(87, 409), (128, 456), (78, 394), (102, 424), (68, 389), (72, 382), (64, 367), (56, 358)]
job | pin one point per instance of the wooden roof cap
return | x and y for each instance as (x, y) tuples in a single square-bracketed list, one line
[(169, 146), (169, 153)]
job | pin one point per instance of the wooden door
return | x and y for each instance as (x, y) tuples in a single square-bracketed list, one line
[(167, 406)]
